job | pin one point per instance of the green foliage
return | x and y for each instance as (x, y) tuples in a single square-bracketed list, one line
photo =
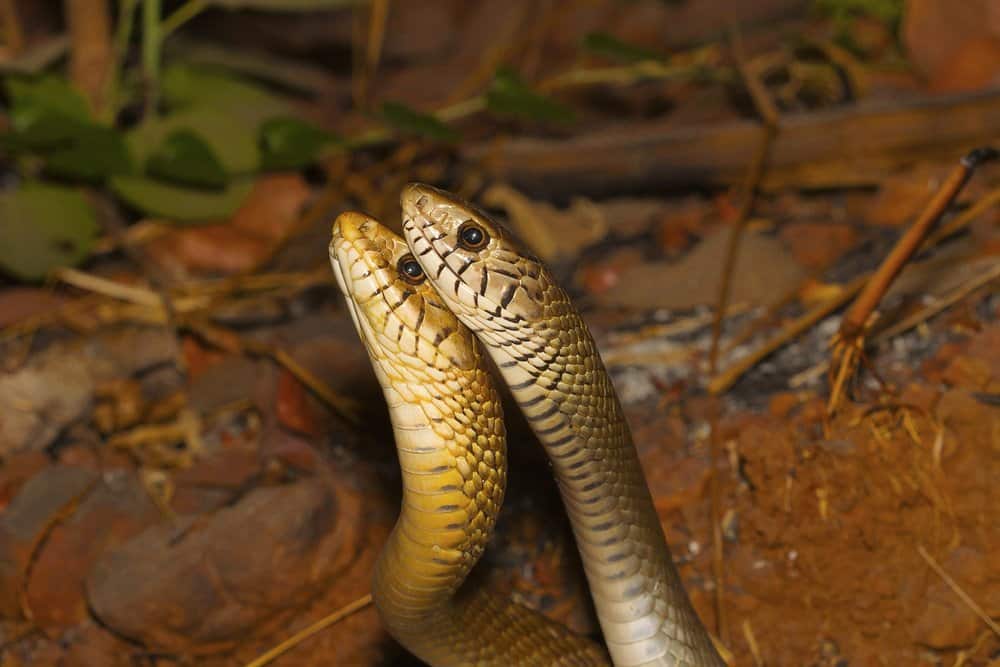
[(180, 204), (186, 159), (410, 121), (93, 155), (510, 95), (50, 119), (192, 159), (290, 143), (43, 227)]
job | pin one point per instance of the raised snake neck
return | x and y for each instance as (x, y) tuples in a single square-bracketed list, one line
[(547, 356), (450, 439)]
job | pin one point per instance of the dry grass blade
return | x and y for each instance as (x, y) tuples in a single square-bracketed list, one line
[(953, 585), (305, 634), (748, 634)]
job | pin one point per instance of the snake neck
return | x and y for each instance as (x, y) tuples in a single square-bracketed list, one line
[(451, 445), (557, 378), (453, 462)]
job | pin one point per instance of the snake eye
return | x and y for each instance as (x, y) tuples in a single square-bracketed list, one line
[(472, 237), (410, 270)]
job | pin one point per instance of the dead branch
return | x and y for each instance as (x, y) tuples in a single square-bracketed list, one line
[(854, 146)]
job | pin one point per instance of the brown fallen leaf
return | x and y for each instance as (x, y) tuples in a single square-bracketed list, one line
[(934, 31), (818, 245), (764, 272), (973, 66), (20, 303), (261, 224)]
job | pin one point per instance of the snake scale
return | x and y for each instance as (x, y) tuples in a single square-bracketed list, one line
[(450, 438), (477, 275)]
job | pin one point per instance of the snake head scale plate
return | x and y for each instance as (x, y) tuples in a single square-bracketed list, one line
[(396, 312), (456, 243)]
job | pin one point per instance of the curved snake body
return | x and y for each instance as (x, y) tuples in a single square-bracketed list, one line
[(547, 356), (450, 439)]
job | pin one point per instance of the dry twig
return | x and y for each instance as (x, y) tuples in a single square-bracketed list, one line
[(747, 194), (848, 345), (305, 634), (728, 378)]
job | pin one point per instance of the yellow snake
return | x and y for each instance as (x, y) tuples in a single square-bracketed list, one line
[(450, 439), (548, 358)]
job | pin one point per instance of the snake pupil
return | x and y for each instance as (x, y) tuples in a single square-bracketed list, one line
[(472, 237), (410, 270)]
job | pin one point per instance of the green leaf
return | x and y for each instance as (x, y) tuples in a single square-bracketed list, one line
[(291, 143), (603, 44), (188, 85), (43, 227), (225, 111), (40, 129), (44, 112), (179, 204), (509, 95), (50, 94), (409, 120), (229, 137), (92, 155), (185, 158)]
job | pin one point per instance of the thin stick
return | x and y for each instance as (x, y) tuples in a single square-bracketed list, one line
[(728, 378), (857, 315), (182, 15), (906, 324), (348, 408), (959, 293), (758, 660), (953, 585), (849, 341), (769, 117), (305, 634), (138, 295)]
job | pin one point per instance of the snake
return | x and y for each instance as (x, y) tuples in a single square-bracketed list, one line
[(548, 358), (450, 439)]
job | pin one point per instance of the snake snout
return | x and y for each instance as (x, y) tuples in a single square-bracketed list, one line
[(352, 226)]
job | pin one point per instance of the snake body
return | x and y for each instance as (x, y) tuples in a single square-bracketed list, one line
[(547, 356), (450, 439)]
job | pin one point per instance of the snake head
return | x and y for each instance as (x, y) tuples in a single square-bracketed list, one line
[(398, 315), (479, 268)]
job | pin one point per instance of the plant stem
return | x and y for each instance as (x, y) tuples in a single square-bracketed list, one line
[(123, 35), (151, 53), (182, 15)]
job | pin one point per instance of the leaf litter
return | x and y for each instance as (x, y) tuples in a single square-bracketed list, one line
[(180, 413)]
